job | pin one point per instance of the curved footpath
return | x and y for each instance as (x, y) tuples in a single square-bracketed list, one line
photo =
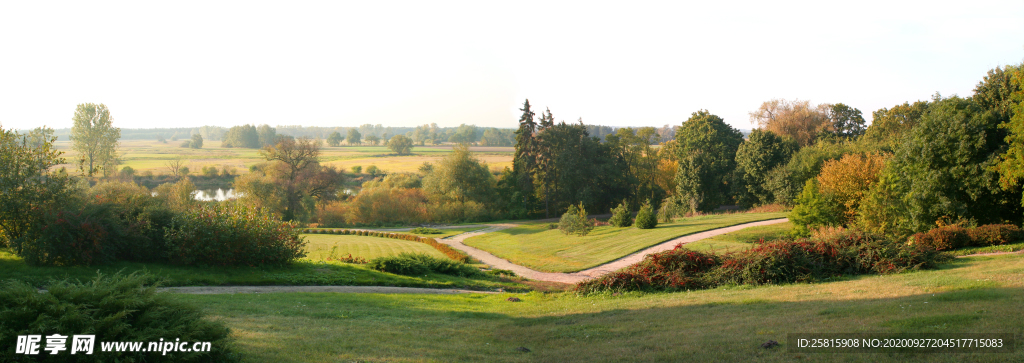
[(575, 277)]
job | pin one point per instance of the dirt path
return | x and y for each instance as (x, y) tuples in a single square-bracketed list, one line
[(456, 241), (344, 289)]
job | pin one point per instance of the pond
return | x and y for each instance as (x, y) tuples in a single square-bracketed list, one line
[(218, 194)]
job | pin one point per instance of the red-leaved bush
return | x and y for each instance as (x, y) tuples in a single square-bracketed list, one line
[(951, 237), (782, 261)]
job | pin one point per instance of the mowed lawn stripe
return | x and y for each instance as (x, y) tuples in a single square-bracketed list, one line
[(536, 246), (320, 245)]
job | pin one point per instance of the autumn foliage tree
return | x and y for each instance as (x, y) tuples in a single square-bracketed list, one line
[(848, 180), (796, 119)]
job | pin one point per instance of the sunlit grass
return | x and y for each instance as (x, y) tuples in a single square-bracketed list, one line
[(727, 324), (322, 246), (742, 239), (536, 246)]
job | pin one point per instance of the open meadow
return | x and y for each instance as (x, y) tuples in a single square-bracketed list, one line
[(537, 246), (153, 156)]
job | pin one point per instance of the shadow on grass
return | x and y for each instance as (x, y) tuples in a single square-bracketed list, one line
[(686, 327), (295, 273)]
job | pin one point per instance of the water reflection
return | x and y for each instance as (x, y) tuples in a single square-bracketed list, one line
[(218, 194)]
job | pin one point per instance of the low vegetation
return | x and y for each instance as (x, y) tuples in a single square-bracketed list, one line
[(414, 264), (119, 308), (781, 261)]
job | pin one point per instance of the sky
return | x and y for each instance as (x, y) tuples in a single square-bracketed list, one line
[(347, 63)]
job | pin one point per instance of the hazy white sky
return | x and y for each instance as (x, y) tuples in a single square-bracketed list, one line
[(345, 63)]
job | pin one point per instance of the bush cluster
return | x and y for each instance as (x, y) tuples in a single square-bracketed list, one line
[(645, 218), (425, 230), (413, 264), (951, 237), (231, 235), (781, 261), (621, 216), (116, 308), (575, 221), (445, 249)]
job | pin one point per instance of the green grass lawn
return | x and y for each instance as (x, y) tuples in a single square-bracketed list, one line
[(728, 324), (536, 246), (322, 246), (303, 272), (1010, 247), (742, 239)]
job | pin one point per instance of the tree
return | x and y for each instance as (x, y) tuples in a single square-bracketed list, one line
[(890, 124), (299, 173), (94, 137), (847, 180), (267, 135), (459, 177), (196, 142), (844, 121), (797, 119), (400, 144), (645, 218), (945, 168), (334, 140), (814, 209), (621, 216), (353, 137), (242, 136), (575, 221), (373, 139), (28, 186), (633, 148), (176, 165), (1011, 164), (756, 156), (707, 147)]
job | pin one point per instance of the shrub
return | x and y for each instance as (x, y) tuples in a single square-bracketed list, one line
[(412, 264), (425, 230), (645, 218), (116, 308), (942, 238), (231, 235), (669, 210), (782, 261), (575, 221), (949, 237), (994, 234), (70, 238), (621, 216), (675, 269)]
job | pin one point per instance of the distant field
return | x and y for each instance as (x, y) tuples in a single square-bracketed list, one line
[(150, 155), (742, 239), (535, 246), (322, 246)]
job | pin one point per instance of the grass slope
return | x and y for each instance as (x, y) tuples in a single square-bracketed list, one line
[(322, 246), (973, 295), (742, 239), (303, 272), (535, 246)]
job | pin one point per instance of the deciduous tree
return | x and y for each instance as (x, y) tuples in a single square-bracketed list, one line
[(94, 137)]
